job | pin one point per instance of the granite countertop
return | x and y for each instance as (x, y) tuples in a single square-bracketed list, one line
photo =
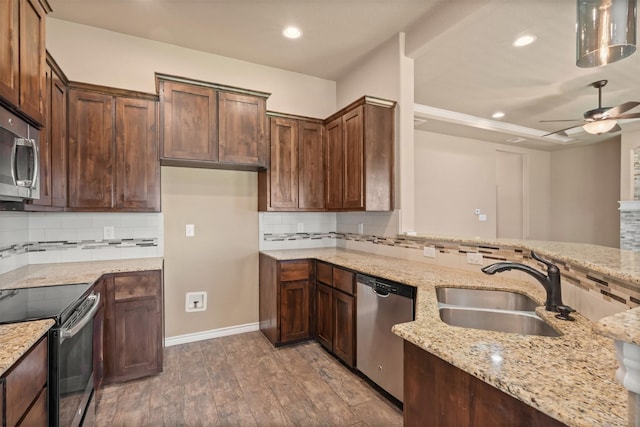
[(623, 326), (73, 272), (18, 338), (570, 378)]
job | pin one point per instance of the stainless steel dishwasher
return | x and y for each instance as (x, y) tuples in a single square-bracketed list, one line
[(380, 305)]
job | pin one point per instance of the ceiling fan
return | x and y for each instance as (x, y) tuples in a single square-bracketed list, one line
[(602, 119)]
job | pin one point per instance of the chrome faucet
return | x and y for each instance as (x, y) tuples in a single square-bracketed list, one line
[(550, 282)]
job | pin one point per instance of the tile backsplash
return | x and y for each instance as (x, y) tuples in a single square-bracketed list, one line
[(36, 238), (296, 230)]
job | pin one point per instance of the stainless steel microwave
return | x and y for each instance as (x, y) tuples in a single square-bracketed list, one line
[(19, 158)]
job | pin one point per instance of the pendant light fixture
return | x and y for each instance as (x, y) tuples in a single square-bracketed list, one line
[(605, 31)]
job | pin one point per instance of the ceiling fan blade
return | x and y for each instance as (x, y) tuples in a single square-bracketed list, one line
[(561, 131), (627, 116), (565, 120), (615, 111), (614, 129)]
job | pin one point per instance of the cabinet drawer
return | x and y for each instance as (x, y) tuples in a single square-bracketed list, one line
[(324, 273), (343, 280), (136, 286), (25, 381), (294, 270)]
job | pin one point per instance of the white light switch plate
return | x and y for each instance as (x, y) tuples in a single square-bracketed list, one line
[(429, 252), (190, 230), (474, 258)]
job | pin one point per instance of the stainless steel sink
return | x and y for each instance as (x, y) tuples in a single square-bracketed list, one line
[(523, 323), (500, 311), (482, 298)]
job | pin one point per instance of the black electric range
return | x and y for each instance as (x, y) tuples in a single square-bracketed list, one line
[(42, 302), (70, 381)]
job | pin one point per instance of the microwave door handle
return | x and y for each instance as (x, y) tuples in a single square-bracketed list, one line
[(69, 332), (36, 163), (14, 153)]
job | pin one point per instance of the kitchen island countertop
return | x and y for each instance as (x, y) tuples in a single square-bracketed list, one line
[(17, 338), (570, 378)]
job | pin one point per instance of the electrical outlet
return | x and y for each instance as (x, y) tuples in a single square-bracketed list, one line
[(195, 301), (429, 252), (474, 258), (301, 227), (190, 230), (109, 232), (482, 217), (360, 228)]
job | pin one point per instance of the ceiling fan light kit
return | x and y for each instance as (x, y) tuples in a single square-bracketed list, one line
[(605, 31), (599, 127)]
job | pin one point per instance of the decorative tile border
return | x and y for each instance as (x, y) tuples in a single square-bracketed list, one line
[(57, 245)]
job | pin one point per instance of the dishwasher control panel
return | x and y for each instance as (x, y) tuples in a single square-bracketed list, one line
[(384, 286)]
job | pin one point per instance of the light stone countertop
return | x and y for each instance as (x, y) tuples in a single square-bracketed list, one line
[(570, 378), (17, 338), (623, 326), (73, 272)]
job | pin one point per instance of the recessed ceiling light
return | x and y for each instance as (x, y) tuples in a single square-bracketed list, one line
[(292, 32), (498, 115), (524, 40)]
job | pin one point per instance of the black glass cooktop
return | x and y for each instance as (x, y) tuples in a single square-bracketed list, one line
[(19, 305)]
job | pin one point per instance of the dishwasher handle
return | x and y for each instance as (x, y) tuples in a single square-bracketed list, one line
[(379, 293)]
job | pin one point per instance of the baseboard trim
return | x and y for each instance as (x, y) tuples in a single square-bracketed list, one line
[(213, 333)]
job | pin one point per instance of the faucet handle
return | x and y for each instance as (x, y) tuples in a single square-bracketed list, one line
[(564, 312), (551, 267)]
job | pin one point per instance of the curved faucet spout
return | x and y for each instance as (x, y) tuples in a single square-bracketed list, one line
[(550, 281)]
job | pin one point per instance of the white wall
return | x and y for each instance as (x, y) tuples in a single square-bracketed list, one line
[(97, 56), (387, 73), (584, 194), (454, 176)]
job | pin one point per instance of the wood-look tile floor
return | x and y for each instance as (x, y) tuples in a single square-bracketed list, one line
[(242, 380)]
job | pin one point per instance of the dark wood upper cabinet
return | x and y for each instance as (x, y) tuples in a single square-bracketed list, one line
[(113, 150), (295, 178), (91, 149), (22, 56), (211, 126), (53, 142), (242, 121), (190, 121), (360, 156), (137, 173)]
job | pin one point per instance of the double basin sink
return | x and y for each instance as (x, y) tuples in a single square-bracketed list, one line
[(501, 311)]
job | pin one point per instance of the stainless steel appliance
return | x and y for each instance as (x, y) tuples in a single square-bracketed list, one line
[(19, 158), (70, 380), (380, 305)]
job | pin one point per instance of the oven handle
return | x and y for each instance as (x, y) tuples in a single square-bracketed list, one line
[(66, 333)]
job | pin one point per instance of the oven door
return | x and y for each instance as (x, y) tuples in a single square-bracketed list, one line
[(75, 364)]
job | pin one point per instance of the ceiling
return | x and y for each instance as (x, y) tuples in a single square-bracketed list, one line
[(465, 65)]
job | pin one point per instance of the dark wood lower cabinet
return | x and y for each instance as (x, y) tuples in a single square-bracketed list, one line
[(437, 393), (285, 289), (25, 389), (133, 343), (344, 342), (324, 315), (98, 336)]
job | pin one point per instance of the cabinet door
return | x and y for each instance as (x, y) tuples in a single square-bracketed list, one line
[(98, 336), (353, 187), (334, 172), (2, 420), (344, 322), (189, 129), (45, 147), (311, 166), (9, 51), (294, 311), (137, 173), (91, 150), (32, 59), (284, 163), (136, 338), (58, 140), (324, 315), (242, 120)]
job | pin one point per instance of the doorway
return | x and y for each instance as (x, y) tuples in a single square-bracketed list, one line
[(509, 195)]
